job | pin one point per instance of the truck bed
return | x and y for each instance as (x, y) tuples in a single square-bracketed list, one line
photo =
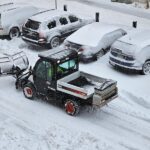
[(84, 85)]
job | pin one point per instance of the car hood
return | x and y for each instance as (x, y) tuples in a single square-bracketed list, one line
[(126, 48)]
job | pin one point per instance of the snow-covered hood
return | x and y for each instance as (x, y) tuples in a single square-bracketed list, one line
[(134, 42), (126, 48), (91, 34)]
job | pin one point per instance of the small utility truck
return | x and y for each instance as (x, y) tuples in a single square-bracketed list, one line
[(56, 77)]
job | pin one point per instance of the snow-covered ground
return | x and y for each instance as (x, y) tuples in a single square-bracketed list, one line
[(36, 125)]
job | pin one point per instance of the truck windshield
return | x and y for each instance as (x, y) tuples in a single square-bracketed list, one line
[(32, 24), (67, 67)]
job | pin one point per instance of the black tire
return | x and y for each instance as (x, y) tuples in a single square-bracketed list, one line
[(100, 53), (55, 42), (14, 32), (146, 68), (29, 91), (72, 107)]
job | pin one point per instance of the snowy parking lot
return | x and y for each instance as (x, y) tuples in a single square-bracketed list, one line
[(37, 125)]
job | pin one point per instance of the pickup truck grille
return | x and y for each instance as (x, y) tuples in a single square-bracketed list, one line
[(30, 34)]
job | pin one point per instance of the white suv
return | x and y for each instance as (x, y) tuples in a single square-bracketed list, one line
[(48, 28), (132, 52)]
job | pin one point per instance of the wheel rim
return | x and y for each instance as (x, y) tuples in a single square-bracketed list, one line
[(70, 109), (28, 92), (146, 68), (14, 33), (55, 42)]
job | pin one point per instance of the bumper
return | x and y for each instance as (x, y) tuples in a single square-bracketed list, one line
[(3, 33), (124, 64), (102, 102), (86, 59), (34, 42)]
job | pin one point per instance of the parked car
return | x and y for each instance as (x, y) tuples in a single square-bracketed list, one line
[(132, 52), (13, 16), (94, 40), (50, 27)]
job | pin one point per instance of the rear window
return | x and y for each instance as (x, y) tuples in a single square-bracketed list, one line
[(73, 18), (63, 21), (32, 24)]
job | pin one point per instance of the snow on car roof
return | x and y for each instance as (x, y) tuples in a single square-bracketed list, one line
[(138, 37), (90, 35), (46, 15)]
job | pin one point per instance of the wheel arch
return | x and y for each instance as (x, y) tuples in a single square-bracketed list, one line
[(56, 34)]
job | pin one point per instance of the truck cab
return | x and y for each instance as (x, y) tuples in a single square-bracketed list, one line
[(52, 67)]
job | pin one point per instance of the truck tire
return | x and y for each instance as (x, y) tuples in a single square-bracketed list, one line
[(14, 32), (55, 42), (146, 68), (72, 107), (29, 91)]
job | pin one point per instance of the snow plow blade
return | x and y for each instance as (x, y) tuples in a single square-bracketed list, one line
[(13, 64)]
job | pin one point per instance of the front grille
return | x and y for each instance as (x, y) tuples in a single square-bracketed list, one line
[(123, 56), (30, 34), (121, 63)]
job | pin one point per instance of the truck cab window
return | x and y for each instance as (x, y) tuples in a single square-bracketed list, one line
[(51, 24), (49, 71), (66, 68), (63, 21), (40, 70), (32, 24), (73, 18)]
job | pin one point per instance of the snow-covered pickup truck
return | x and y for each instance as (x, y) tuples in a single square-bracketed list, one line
[(56, 77)]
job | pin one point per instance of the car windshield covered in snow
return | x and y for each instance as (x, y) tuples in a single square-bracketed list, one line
[(32, 24)]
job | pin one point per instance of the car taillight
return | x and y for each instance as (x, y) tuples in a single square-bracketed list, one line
[(81, 50), (41, 35)]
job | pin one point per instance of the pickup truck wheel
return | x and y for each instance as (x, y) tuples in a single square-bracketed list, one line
[(55, 42), (146, 68), (72, 107), (14, 32), (29, 91)]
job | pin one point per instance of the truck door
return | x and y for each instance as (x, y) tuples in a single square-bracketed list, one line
[(42, 77)]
